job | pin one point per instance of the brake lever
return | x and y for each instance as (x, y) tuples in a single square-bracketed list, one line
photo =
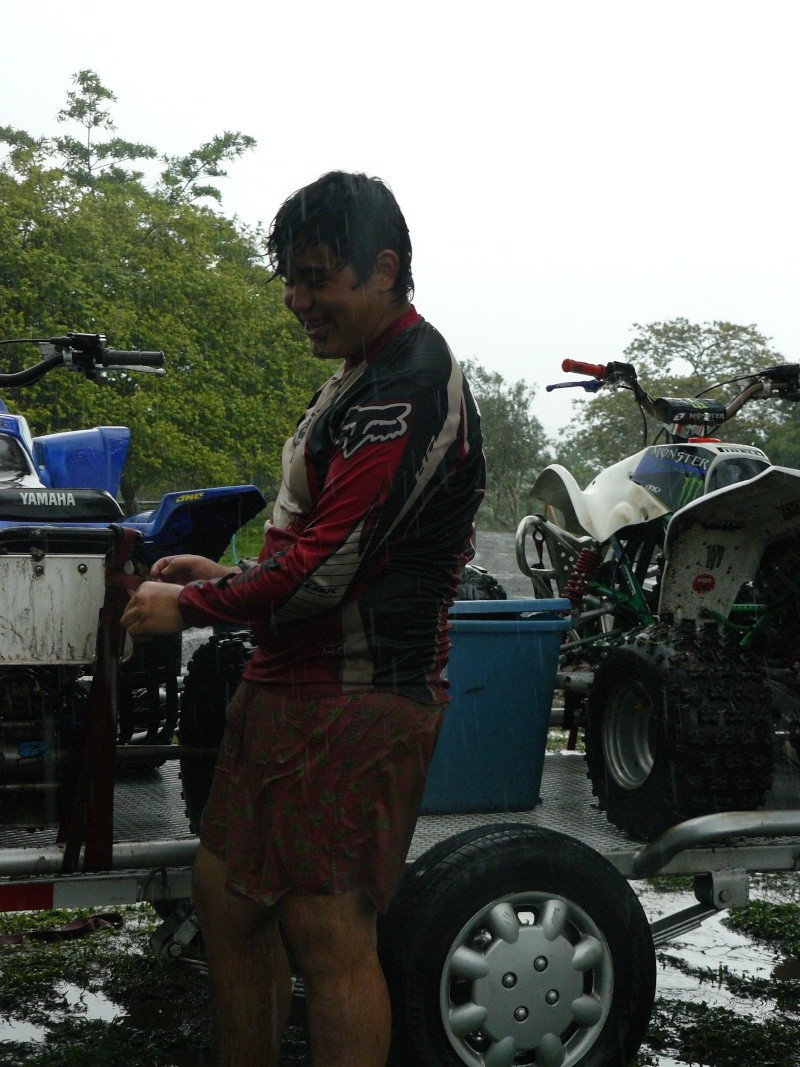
[(589, 387)]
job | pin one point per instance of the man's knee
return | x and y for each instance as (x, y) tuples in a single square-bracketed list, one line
[(324, 932)]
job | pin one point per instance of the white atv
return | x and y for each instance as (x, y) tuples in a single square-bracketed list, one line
[(682, 563)]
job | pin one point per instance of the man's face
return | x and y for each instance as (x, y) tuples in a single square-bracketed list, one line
[(339, 314)]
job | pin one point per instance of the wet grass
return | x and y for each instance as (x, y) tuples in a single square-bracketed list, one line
[(153, 1011), (706, 1036), (557, 740), (774, 924), (691, 1031)]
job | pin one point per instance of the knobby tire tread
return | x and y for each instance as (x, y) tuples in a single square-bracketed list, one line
[(715, 738)]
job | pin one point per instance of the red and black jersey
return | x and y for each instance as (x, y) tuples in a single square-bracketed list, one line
[(380, 486)]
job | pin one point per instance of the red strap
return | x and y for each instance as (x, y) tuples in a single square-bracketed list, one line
[(70, 930), (89, 793)]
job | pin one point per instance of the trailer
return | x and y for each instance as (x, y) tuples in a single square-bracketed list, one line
[(514, 936), (511, 931)]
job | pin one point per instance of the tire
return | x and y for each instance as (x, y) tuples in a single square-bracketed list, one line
[(678, 725), (148, 700), (477, 584), (212, 677), (516, 945)]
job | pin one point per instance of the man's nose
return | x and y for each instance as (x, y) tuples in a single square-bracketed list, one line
[(297, 297)]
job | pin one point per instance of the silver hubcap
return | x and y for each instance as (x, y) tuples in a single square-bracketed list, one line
[(628, 745), (531, 973)]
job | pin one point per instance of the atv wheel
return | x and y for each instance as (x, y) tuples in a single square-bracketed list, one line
[(477, 584), (148, 700), (677, 726), (516, 945), (212, 677)]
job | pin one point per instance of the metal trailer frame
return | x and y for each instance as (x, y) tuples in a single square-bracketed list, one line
[(153, 849)]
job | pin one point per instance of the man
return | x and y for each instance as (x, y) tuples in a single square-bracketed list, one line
[(329, 738)]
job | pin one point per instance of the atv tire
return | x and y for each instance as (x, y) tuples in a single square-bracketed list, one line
[(212, 677), (512, 944), (678, 725), (477, 584)]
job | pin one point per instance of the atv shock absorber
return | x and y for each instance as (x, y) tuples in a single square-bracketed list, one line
[(586, 565)]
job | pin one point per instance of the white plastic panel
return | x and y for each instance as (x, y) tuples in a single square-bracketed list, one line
[(49, 608)]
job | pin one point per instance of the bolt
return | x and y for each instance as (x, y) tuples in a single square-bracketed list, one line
[(82, 568), (540, 963), (551, 996), (509, 980), (38, 570), (521, 1014)]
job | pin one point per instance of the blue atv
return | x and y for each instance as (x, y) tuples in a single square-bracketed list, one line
[(59, 521)]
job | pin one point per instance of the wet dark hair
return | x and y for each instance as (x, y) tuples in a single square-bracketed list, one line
[(355, 216)]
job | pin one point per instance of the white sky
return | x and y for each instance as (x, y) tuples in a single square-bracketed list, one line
[(566, 169)]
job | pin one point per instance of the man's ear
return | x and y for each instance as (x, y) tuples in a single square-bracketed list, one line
[(387, 267)]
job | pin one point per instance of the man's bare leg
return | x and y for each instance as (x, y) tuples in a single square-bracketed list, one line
[(332, 942), (250, 978)]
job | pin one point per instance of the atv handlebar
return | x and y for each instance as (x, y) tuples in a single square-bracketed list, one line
[(781, 381), (84, 352), (602, 373), (117, 357), (594, 370)]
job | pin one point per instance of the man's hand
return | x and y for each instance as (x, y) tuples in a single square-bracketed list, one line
[(153, 609), (184, 569)]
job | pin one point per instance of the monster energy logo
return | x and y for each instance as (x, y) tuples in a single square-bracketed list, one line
[(691, 488), (714, 556)]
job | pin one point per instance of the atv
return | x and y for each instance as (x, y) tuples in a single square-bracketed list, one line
[(59, 524), (682, 565)]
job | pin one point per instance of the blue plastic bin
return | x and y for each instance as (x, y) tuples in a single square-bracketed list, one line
[(502, 670)]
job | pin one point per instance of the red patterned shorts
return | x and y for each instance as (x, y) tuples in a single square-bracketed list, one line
[(320, 795)]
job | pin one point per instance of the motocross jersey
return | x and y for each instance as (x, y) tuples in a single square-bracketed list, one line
[(380, 485)]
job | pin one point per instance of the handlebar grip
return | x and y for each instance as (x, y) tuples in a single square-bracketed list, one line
[(115, 357), (594, 370)]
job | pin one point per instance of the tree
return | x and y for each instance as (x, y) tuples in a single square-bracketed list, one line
[(515, 445), (86, 245), (680, 359)]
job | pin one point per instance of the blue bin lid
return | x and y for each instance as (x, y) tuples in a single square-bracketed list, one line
[(489, 608)]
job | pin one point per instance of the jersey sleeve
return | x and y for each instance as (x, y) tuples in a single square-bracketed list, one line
[(392, 450)]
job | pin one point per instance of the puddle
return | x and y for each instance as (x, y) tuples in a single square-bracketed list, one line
[(19, 1030), (711, 946), (715, 948), (91, 1005), (76, 1002)]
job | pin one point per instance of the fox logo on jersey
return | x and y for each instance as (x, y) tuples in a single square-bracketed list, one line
[(372, 424)]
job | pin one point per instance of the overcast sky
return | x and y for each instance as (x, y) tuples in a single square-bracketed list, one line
[(566, 169)]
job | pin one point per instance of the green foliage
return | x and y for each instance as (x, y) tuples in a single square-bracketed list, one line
[(85, 245), (86, 161), (247, 542), (515, 444), (679, 359)]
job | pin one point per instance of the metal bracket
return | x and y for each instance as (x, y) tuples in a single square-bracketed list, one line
[(177, 932), (716, 891), (723, 889)]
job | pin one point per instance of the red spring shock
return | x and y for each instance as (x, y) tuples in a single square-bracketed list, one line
[(585, 566)]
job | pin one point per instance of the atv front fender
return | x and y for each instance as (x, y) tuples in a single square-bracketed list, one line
[(715, 544)]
